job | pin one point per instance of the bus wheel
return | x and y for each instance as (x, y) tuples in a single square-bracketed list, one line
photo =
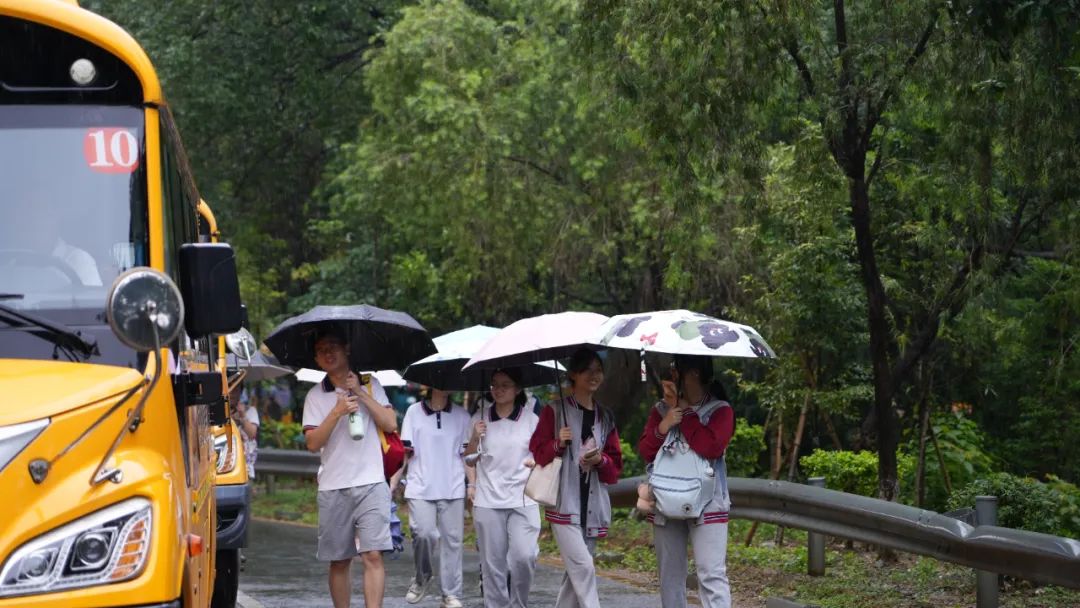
[(226, 579)]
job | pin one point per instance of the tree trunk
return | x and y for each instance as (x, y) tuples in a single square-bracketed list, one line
[(887, 433), (831, 428), (941, 460), (798, 437), (920, 474)]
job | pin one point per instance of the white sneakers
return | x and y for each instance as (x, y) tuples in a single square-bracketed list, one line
[(417, 591)]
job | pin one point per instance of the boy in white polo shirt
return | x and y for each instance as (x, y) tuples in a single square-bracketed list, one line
[(354, 498), (436, 430)]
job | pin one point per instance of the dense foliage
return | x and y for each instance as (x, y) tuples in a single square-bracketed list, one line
[(888, 191), (1027, 504)]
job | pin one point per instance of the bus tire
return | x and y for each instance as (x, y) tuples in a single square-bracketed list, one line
[(226, 579)]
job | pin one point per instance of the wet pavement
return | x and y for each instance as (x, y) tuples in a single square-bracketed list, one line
[(281, 572)]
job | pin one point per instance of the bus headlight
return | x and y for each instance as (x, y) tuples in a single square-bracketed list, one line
[(107, 546)]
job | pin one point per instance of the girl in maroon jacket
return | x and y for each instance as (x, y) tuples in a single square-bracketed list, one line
[(592, 459), (692, 391)]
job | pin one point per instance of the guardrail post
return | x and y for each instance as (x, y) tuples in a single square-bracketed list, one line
[(986, 583), (271, 484), (815, 542)]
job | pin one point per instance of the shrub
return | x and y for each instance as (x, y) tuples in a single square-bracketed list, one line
[(277, 434), (962, 445), (1027, 504), (852, 472), (632, 463), (744, 451)]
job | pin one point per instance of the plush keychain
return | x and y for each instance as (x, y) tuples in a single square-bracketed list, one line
[(645, 501)]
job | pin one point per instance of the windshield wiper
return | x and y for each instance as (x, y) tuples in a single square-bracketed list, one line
[(11, 296), (57, 333)]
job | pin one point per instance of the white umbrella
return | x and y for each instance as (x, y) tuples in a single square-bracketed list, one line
[(682, 332), (386, 377), (535, 339), (443, 369)]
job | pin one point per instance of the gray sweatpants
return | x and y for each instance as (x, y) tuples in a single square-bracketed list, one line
[(578, 588), (438, 523), (710, 555), (508, 545)]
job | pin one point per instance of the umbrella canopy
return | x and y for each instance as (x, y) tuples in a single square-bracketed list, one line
[(443, 369), (377, 338), (386, 377), (682, 332), (258, 367), (542, 338)]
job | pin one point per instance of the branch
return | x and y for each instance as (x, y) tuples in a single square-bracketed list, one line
[(587, 300), (877, 159), (950, 302), (347, 56), (560, 179), (877, 109), (792, 46), (1022, 253)]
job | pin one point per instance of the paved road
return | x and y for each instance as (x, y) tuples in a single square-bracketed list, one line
[(281, 572)]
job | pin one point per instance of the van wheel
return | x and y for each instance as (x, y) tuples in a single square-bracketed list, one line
[(226, 579)]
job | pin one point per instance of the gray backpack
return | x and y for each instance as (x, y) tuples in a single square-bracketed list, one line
[(682, 481)]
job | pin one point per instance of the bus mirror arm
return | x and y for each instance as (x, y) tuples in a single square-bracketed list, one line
[(134, 419)]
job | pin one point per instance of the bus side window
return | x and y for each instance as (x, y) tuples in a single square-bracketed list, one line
[(179, 215)]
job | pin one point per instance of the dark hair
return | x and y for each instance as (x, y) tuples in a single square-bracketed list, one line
[(332, 332), (514, 373), (704, 367), (582, 359)]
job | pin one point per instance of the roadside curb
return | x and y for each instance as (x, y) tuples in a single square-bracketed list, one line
[(244, 600)]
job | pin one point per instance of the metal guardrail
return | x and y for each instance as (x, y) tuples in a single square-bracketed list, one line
[(289, 463), (1028, 555)]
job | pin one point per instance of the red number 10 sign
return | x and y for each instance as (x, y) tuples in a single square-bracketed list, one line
[(111, 150)]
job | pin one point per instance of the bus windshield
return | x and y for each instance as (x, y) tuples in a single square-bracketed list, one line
[(73, 203)]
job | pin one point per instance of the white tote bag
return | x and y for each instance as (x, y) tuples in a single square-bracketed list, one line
[(543, 483)]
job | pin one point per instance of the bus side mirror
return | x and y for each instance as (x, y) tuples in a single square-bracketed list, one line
[(211, 289)]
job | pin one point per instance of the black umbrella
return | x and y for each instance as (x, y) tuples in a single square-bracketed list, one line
[(377, 338)]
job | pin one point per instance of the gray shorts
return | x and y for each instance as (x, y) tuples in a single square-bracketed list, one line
[(354, 521)]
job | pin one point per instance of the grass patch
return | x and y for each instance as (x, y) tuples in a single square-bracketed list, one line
[(853, 576)]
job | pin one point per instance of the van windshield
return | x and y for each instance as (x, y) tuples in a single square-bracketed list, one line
[(73, 202)]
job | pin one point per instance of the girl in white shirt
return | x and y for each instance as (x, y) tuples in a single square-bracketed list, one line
[(507, 521)]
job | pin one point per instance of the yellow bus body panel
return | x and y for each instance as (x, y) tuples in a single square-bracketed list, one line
[(66, 495)]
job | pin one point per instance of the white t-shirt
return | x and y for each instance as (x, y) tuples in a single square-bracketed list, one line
[(501, 472), (436, 471), (346, 463)]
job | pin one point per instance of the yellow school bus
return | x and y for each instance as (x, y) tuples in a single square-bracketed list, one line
[(107, 300)]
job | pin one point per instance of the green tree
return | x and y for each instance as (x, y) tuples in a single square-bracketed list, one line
[(898, 92)]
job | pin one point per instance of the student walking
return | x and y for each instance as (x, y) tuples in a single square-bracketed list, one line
[(435, 432), (354, 498), (507, 522), (588, 442), (697, 407)]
